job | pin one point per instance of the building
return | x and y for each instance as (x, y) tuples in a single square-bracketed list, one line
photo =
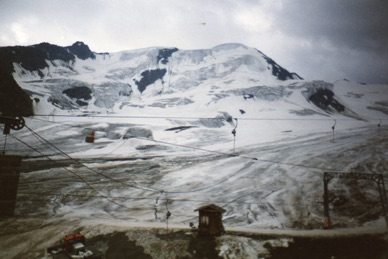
[(210, 220)]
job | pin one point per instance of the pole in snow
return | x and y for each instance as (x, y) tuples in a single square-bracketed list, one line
[(168, 214), (234, 136), (333, 128), (5, 144)]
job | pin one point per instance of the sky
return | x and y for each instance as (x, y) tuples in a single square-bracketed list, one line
[(318, 39)]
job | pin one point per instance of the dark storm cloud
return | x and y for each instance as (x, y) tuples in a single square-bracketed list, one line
[(349, 35), (356, 24)]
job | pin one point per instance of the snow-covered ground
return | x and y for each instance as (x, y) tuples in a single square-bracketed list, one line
[(273, 184), (175, 152)]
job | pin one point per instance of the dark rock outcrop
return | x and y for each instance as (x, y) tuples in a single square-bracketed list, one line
[(81, 94), (81, 50), (164, 54), (324, 99), (13, 99), (280, 72), (149, 77)]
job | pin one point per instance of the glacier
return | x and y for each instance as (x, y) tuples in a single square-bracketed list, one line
[(163, 121)]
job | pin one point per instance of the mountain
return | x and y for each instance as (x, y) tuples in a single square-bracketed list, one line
[(178, 129), (75, 77), (50, 77)]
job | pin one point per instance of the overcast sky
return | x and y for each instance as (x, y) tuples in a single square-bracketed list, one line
[(318, 39)]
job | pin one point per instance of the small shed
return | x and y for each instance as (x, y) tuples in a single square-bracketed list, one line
[(210, 220)]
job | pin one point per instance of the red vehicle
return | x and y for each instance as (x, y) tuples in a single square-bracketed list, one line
[(73, 246)]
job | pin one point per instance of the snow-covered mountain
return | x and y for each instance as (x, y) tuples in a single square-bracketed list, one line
[(74, 77), (61, 79), (163, 120)]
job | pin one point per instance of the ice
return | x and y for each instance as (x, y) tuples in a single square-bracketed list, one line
[(267, 178)]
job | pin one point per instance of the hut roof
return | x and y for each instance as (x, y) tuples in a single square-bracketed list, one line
[(211, 207)]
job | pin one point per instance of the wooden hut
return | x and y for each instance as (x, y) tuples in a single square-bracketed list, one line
[(210, 220)]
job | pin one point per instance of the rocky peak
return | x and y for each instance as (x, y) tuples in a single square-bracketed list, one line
[(81, 50)]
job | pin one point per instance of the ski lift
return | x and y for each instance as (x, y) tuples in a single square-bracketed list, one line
[(9, 168), (90, 138), (333, 128), (234, 136), (378, 126), (12, 122), (168, 214)]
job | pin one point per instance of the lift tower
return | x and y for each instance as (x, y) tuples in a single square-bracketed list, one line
[(377, 178), (9, 168)]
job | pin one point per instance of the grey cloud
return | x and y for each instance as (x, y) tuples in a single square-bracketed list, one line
[(356, 24), (343, 37), (351, 34)]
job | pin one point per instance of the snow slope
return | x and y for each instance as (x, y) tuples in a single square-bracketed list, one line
[(168, 145)]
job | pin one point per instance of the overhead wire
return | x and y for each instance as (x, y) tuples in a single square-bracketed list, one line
[(213, 185), (149, 198), (168, 143), (75, 174), (232, 155), (192, 117), (167, 192), (40, 138), (116, 197), (82, 164), (201, 149), (219, 152)]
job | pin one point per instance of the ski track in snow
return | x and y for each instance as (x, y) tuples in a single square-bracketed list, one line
[(269, 178), (279, 180)]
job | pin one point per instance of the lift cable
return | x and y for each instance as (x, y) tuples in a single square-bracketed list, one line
[(153, 190), (167, 192), (75, 174), (234, 155), (252, 160), (205, 150), (213, 185), (89, 168), (223, 153), (147, 198), (189, 117), (110, 199), (189, 147)]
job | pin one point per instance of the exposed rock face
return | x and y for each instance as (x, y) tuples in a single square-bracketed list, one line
[(149, 77), (13, 100), (279, 72), (164, 54), (321, 94), (81, 50), (324, 98), (81, 94)]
